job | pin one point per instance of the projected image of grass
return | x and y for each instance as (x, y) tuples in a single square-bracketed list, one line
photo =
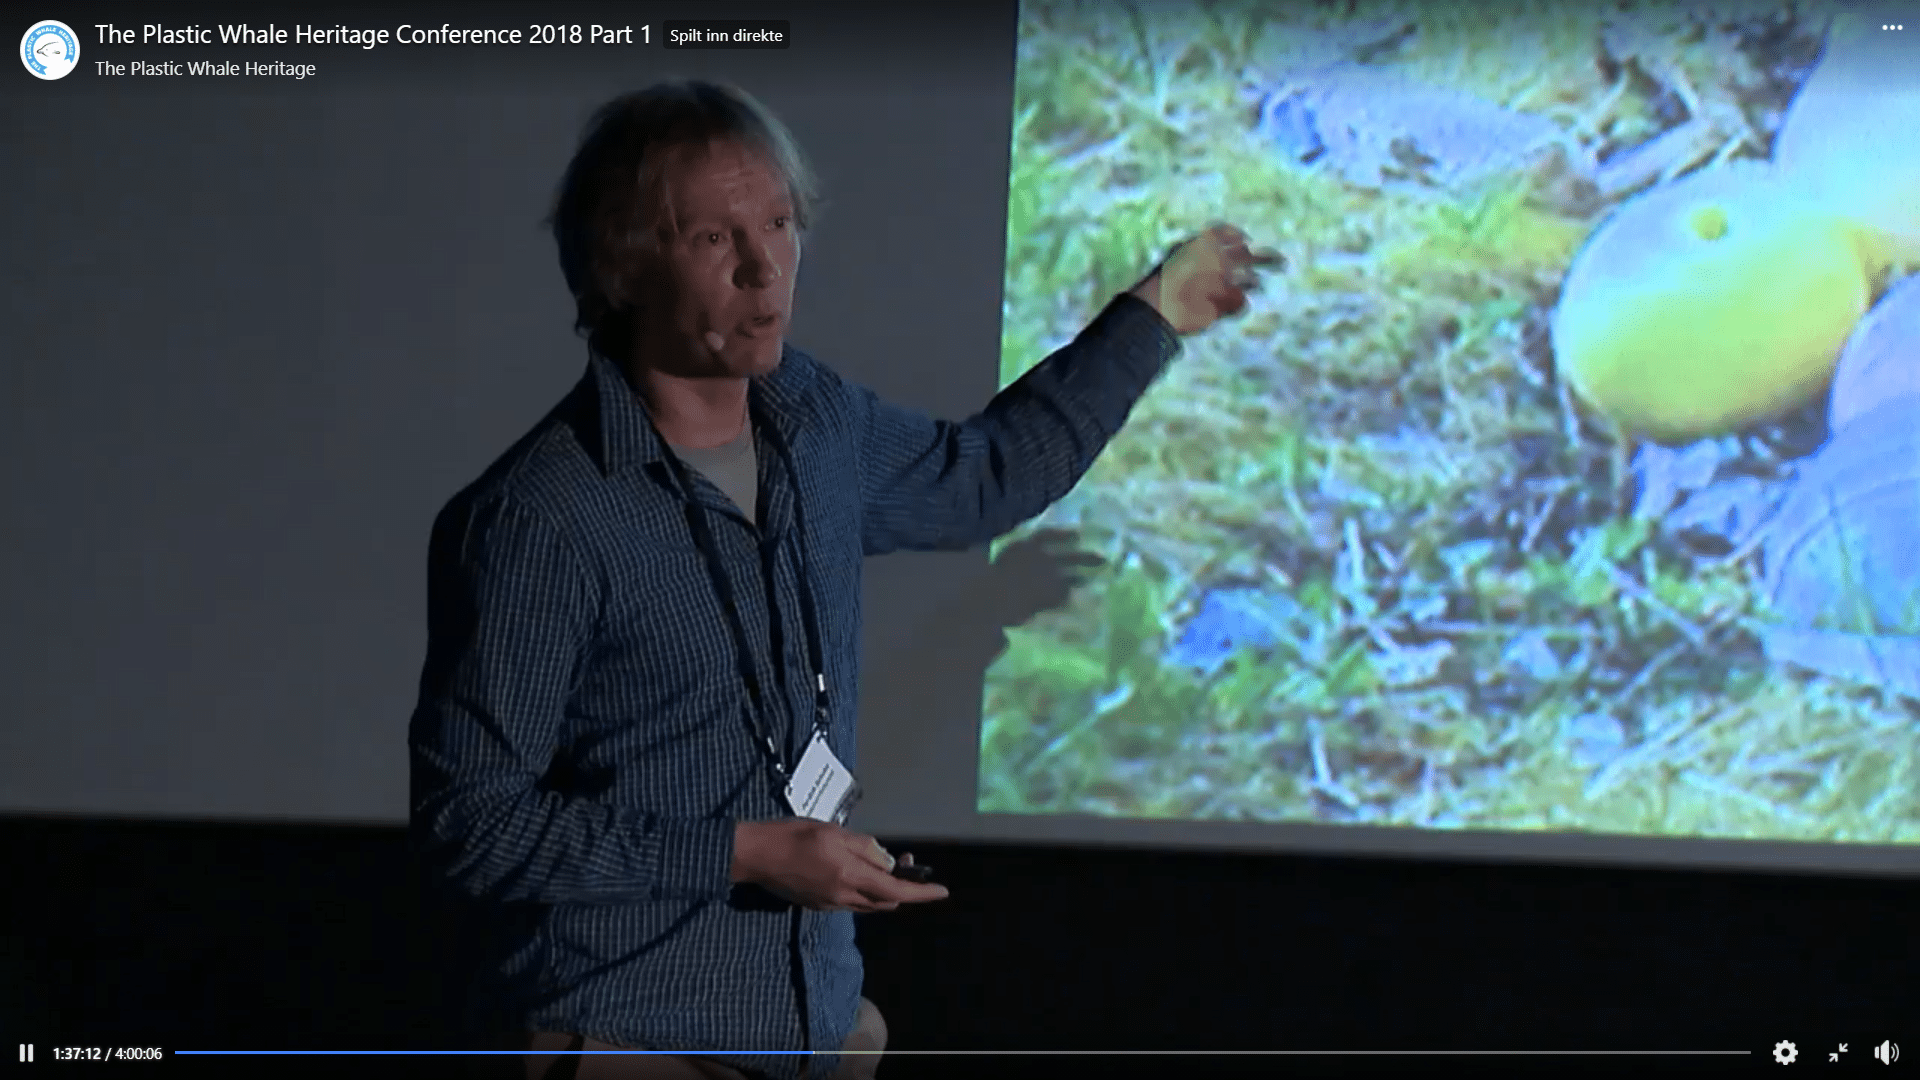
[(1369, 559)]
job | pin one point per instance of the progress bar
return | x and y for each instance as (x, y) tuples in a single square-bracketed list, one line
[(1016, 1053)]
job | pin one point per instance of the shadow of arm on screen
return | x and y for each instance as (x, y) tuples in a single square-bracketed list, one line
[(1032, 576), (921, 693)]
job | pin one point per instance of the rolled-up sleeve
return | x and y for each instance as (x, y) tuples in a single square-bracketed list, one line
[(930, 484), (512, 609)]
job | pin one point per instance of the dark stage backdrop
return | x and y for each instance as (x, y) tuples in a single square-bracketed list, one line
[(299, 937)]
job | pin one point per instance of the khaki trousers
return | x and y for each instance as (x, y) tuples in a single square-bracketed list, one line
[(547, 1060)]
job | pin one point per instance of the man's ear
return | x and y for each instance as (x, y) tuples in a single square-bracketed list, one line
[(625, 279), (613, 283)]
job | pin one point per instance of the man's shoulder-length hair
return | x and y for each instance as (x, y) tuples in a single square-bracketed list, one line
[(612, 202)]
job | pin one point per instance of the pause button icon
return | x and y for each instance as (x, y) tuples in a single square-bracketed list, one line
[(26, 1051)]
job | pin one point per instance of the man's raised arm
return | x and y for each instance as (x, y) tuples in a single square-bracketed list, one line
[(931, 484)]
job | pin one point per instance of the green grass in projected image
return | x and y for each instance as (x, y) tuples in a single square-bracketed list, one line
[(1368, 557)]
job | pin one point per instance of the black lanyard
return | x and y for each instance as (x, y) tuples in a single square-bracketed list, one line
[(697, 522)]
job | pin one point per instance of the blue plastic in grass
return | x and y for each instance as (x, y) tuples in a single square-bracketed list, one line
[(1374, 127), (1230, 620)]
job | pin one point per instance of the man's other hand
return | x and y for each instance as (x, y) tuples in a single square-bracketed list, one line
[(822, 867), (1206, 279)]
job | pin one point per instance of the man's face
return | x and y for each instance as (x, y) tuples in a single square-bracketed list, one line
[(729, 255)]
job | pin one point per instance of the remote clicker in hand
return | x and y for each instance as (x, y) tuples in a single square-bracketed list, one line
[(908, 870)]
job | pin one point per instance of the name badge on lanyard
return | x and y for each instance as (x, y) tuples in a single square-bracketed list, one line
[(820, 787)]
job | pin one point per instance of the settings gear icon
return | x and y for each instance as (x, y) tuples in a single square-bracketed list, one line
[(1784, 1052)]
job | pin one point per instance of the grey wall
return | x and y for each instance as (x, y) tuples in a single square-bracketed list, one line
[(258, 331)]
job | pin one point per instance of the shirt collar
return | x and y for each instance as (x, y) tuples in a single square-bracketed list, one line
[(628, 439)]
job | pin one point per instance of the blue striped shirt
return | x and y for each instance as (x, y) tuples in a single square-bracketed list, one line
[(583, 745)]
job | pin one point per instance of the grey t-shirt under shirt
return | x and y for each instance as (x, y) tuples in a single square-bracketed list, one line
[(732, 467)]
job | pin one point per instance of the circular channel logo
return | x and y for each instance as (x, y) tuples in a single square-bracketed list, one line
[(51, 50)]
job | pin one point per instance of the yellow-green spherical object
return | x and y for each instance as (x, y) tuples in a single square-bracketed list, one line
[(1709, 303)]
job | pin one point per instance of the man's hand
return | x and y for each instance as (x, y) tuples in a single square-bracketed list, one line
[(1205, 279), (823, 867)]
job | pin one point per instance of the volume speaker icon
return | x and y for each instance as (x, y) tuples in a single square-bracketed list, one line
[(1887, 1053)]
